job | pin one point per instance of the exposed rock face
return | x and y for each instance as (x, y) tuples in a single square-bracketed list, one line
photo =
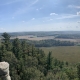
[(4, 71)]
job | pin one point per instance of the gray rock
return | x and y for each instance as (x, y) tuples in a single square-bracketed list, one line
[(4, 71)]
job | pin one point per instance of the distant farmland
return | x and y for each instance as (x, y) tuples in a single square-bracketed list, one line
[(65, 53), (31, 37)]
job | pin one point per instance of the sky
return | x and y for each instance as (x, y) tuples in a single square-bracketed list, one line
[(39, 15)]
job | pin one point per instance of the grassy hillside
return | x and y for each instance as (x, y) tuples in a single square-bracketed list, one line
[(65, 53)]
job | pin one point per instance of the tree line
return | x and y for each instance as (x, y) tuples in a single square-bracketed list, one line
[(50, 43), (68, 36)]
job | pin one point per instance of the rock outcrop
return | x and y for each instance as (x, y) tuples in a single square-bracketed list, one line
[(4, 71)]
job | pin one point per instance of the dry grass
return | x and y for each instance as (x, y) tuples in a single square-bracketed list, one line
[(65, 53)]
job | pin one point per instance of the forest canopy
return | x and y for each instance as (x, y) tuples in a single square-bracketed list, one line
[(28, 62)]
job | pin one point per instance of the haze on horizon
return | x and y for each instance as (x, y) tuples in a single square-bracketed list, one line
[(39, 15)]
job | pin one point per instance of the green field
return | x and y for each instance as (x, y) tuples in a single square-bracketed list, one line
[(64, 53)]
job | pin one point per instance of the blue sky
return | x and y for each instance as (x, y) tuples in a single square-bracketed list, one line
[(39, 15)]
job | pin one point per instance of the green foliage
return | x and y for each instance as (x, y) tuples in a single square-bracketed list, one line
[(30, 63), (6, 41), (32, 74), (17, 48), (71, 74), (2, 52), (51, 43), (49, 61), (6, 36), (78, 70)]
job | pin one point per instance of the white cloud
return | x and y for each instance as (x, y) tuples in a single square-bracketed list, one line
[(2, 29), (51, 19), (23, 21), (70, 6), (37, 9), (35, 2), (77, 6), (43, 21), (33, 19), (78, 13), (73, 6), (20, 11), (53, 14), (10, 2), (12, 17), (67, 16), (26, 8)]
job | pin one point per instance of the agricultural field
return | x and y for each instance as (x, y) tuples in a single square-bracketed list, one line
[(64, 53), (32, 37), (35, 38), (71, 36)]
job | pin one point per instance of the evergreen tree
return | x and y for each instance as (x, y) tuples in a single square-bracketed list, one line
[(78, 70), (2, 52), (24, 46), (6, 41), (17, 48), (49, 61)]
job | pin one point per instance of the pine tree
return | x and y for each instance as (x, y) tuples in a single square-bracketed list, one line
[(49, 61), (6, 41), (17, 48), (78, 70), (2, 52), (24, 46)]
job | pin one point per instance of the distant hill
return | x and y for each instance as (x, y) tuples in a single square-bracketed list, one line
[(42, 33)]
